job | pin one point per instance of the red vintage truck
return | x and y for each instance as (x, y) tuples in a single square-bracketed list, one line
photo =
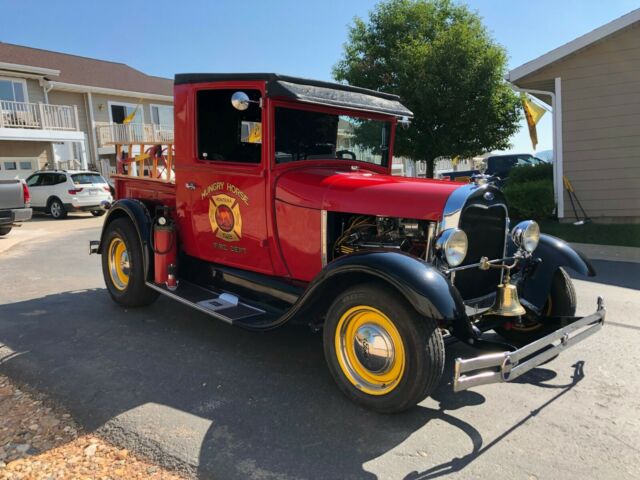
[(276, 204)]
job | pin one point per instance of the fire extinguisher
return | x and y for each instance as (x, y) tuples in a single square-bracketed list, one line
[(164, 249)]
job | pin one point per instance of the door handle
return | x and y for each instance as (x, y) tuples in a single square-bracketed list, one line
[(190, 186)]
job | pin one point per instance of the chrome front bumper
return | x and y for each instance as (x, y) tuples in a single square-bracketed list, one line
[(507, 366)]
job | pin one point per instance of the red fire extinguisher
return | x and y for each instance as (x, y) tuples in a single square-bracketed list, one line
[(164, 249)]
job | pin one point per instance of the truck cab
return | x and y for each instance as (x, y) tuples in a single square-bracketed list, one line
[(276, 203)]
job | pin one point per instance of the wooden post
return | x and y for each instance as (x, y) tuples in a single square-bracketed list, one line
[(131, 161), (119, 166), (154, 171), (141, 172), (169, 161)]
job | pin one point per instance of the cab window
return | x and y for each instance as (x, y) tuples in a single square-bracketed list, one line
[(226, 134)]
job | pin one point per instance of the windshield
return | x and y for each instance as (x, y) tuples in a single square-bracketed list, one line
[(86, 178), (307, 135)]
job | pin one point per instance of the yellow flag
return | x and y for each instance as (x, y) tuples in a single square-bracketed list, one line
[(129, 118), (255, 134), (533, 113)]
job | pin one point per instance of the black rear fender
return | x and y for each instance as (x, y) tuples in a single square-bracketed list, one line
[(139, 215)]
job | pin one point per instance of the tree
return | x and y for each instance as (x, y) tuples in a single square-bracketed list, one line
[(446, 68)]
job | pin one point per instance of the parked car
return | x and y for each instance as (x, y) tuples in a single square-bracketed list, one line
[(59, 192), (497, 166), (14, 204)]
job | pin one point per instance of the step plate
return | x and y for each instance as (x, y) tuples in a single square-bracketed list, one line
[(222, 306)]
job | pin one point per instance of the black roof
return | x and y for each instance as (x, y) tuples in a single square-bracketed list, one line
[(310, 91)]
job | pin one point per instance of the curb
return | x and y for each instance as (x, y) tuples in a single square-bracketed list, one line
[(612, 253)]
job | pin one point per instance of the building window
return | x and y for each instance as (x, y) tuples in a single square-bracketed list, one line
[(25, 166), (121, 111), (12, 90), (162, 115), (10, 166)]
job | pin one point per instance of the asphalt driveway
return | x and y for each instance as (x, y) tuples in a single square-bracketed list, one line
[(224, 403)]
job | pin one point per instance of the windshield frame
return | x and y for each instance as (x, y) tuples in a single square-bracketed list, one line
[(274, 103)]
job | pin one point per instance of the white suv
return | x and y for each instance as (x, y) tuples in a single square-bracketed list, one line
[(58, 192)]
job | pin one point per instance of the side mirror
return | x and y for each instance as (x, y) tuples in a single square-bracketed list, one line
[(241, 101)]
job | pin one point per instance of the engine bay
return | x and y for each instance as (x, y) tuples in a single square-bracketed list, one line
[(350, 233)]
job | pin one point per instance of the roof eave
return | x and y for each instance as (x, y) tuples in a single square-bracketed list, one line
[(72, 87), (573, 46), (40, 71)]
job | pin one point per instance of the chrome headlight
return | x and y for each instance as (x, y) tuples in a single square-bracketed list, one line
[(453, 244), (526, 235)]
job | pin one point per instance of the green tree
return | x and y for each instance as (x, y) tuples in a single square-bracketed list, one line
[(447, 69)]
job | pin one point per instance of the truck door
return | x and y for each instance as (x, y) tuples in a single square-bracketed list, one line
[(226, 180)]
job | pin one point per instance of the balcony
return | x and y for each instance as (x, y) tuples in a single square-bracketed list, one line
[(134, 134), (38, 116)]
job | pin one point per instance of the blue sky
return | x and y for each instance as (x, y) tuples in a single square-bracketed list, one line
[(295, 37)]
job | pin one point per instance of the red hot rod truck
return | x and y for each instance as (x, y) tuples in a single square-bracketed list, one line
[(275, 203)]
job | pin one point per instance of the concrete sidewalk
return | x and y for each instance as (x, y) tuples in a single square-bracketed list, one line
[(612, 253)]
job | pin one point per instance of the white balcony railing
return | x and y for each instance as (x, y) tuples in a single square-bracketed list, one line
[(38, 116), (134, 134)]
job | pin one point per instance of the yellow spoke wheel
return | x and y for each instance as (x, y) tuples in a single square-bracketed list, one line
[(370, 350), (118, 260)]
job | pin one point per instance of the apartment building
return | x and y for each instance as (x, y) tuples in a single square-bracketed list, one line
[(59, 110)]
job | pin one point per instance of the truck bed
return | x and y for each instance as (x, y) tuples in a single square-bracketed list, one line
[(145, 189)]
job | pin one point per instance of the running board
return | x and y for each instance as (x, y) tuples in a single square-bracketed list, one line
[(223, 306)]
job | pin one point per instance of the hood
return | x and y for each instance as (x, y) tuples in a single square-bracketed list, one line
[(365, 192)]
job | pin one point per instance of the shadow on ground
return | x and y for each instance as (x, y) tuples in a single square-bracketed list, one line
[(244, 404), (618, 274)]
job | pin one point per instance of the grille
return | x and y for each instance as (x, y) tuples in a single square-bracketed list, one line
[(485, 229)]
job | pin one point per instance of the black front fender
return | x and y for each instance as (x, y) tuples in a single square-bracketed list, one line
[(553, 254), (424, 286)]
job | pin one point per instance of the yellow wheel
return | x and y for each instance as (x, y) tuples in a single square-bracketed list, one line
[(370, 350), (123, 261), (381, 352), (118, 259)]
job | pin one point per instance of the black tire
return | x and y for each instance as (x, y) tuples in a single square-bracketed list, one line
[(98, 213), (422, 348), (134, 293), (4, 231), (56, 209), (561, 302)]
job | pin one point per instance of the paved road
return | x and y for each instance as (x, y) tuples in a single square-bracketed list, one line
[(198, 394)]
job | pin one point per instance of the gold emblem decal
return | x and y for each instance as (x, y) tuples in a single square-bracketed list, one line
[(225, 217)]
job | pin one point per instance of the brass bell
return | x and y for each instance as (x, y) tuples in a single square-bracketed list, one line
[(507, 303)]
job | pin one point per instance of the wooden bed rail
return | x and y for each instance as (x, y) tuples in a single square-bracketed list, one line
[(155, 161)]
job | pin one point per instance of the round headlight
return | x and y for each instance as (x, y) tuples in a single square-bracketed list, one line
[(526, 235), (453, 244)]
